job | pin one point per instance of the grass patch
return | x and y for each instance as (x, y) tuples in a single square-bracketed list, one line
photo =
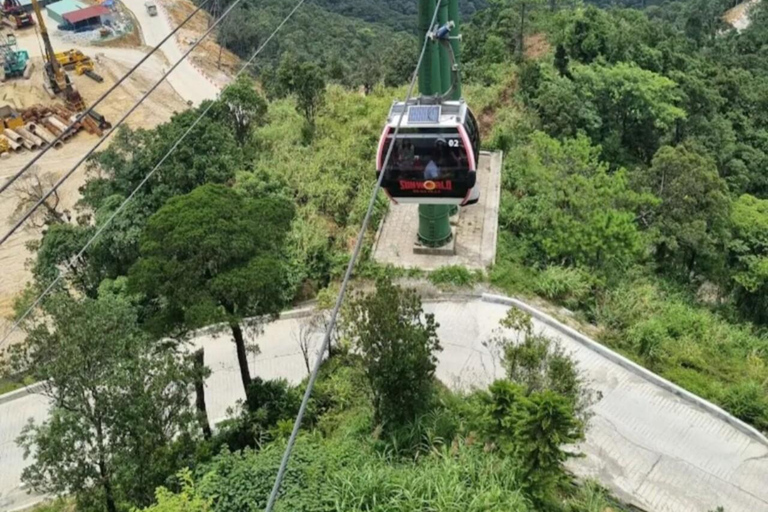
[(454, 276)]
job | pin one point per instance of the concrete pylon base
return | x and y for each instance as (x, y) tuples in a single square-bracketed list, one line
[(475, 229), (448, 249)]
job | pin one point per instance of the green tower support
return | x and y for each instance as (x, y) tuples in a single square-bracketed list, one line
[(435, 78)]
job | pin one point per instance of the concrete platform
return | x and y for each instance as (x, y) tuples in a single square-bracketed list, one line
[(476, 231)]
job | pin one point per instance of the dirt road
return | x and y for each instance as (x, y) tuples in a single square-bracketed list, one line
[(22, 93), (188, 80)]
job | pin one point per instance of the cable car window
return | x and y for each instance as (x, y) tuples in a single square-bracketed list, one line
[(427, 156)]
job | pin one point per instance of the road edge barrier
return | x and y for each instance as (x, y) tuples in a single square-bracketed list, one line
[(629, 365), (21, 392), (545, 318)]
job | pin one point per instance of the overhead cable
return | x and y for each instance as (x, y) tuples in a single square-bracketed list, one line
[(136, 105), (130, 197), (342, 290), (90, 109)]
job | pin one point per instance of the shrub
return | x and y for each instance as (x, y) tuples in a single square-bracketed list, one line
[(749, 402), (397, 342), (569, 286), (693, 347), (453, 276)]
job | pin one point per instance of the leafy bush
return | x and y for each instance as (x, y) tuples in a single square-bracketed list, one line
[(398, 344), (454, 276), (569, 286), (537, 363)]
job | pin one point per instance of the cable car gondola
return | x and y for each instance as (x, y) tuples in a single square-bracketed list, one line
[(435, 157)]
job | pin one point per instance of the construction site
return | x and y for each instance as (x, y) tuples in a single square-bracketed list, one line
[(49, 78)]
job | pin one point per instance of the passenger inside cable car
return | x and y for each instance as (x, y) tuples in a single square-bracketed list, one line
[(435, 154)]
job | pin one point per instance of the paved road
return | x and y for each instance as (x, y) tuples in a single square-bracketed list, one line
[(647, 445), (186, 79)]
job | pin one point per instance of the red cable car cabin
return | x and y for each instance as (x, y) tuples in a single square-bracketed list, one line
[(435, 157)]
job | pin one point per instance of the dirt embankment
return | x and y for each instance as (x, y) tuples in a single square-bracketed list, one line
[(738, 16), (207, 55), (24, 93)]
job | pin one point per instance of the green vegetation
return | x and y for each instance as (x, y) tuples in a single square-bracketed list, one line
[(213, 256), (499, 449), (633, 193), (634, 187), (119, 403), (454, 276)]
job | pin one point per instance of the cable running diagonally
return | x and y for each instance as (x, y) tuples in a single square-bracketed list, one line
[(90, 109), (130, 197), (345, 282), (136, 105)]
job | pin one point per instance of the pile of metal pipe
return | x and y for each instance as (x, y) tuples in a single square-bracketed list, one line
[(18, 137), (50, 127), (15, 146), (12, 135), (44, 134), (61, 126), (31, 137)]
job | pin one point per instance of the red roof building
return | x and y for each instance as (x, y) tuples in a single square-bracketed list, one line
[(88, 16)]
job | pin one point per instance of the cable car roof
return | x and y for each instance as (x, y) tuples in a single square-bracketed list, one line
[(427, 112)]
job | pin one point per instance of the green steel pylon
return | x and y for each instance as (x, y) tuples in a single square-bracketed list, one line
[(435, 78)]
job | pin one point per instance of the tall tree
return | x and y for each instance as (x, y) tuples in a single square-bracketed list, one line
[(692, 217), (118, 402), (398, 344), (243, 107), (214, 256), (749, 255), (304, 80)]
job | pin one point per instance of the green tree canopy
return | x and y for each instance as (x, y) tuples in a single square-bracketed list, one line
[(243, 107), (692, 217), (304, 80), (749, 254), (214, 256), (118, 403), (565, 206), (398, 343)]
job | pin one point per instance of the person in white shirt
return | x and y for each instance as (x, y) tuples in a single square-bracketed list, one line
[(432, 170)]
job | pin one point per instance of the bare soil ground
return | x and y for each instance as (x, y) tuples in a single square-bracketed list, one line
[(156, 109), (738, 16), (205, 56), (130, 40), (536, 46)]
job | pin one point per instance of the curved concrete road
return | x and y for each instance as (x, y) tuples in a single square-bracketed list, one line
[(650, 447), (186, 79)]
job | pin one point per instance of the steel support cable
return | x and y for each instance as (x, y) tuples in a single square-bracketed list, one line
[(136, 105), (347, 276), (109, 91), (143, 182)]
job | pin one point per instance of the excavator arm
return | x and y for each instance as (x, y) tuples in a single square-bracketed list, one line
[(58, 80)]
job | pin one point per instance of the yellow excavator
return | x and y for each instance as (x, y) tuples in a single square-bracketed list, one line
[(57, 81), (80, 62)]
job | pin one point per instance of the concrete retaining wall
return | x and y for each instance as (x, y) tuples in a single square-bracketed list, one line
[(542, 317), (631, 366)]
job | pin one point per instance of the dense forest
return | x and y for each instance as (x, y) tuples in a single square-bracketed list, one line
[(634, 193)]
